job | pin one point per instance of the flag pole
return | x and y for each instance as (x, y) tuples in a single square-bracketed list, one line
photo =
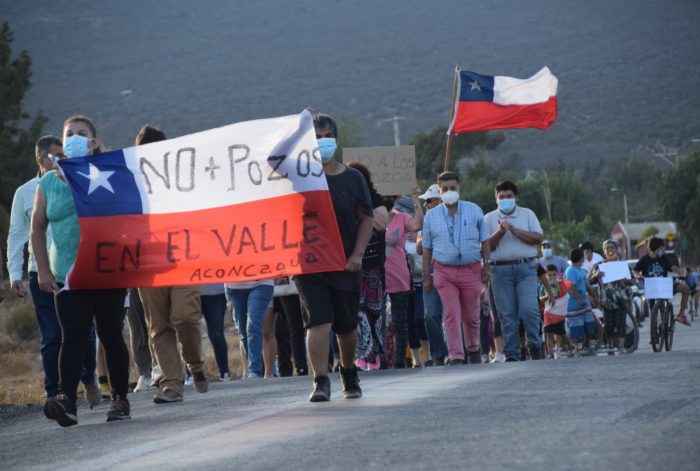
[(448, 147)]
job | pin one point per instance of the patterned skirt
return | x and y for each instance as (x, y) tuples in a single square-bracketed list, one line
[(369, 339)]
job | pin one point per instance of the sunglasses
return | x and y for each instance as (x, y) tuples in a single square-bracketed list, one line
[(430, 200)]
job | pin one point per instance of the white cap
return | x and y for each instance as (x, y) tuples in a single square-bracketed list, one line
[(432, 192)]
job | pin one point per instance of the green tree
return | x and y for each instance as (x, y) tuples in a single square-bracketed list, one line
[(17, 163), (679, 193)]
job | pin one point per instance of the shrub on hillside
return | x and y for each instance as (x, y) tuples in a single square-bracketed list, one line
[(20, 324)]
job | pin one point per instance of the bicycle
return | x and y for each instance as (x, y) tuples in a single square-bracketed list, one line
[(631, 331), (662, 324)]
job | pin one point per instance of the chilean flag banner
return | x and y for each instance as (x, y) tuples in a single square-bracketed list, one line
[(486, 102), (241, 202)]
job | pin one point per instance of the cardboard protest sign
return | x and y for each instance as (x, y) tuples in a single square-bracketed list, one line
[(393, 168)]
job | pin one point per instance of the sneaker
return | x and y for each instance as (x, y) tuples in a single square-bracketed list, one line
[(428, 363), (351, 383), (200, 382), (143, 384), (156, 375), (556, 354), (61, 409), (361, 363), (253, 376), (119, 409), (322, 390), (510, 359), (225, 377), (168, 396), (550, 356), (189, 381), (500, 357), (484, 358), (683, 320), (93, 394), (454, 361), (45, 408)]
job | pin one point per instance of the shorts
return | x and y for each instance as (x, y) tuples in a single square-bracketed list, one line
[(580, 322), (558, 328), (615, 322), (322, 303)]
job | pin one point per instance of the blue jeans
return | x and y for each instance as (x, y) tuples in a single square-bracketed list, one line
[(515, 294), (50, 333), (249, 307), (214, 312), (433, 324)]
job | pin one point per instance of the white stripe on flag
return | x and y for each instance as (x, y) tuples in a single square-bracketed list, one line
[(536, 89), (210, 169)]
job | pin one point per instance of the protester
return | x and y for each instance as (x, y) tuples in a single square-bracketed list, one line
[(656, 264), (396, 271), (432, 305), (554, 324), (286, 303), (418, 340), (76, 309), (140, 342), (548, 257), (515, 233), (213, 301), (616, 298), (579, 316), (44, 308), (332, 299), (590, 257), (173, 316), (455, 239)]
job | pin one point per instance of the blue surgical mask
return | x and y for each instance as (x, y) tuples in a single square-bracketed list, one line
[(327, 147), (506, 205), (76, 146), (659, 253), (547, 252)]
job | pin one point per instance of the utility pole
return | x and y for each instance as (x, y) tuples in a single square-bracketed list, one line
[(397, 130), (628, 247)]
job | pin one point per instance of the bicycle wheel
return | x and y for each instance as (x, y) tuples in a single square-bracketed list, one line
[(655, 327), (631, 334), (670, 326)]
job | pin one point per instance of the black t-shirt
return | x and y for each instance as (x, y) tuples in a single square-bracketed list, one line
[(653, 267), (348, 191), (375, 253)]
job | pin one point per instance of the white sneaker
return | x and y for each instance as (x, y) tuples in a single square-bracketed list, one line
[(556, 354), (156, 375), (143, 384), (189, 381), (499, 358), (226, 377)]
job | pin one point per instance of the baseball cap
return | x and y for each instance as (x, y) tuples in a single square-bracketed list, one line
[(547, 242), (432, 192)]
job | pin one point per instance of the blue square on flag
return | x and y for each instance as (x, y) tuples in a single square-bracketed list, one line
[(102, 185), (476, 87)]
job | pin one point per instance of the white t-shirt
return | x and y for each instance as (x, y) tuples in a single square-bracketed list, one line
[(595, 258)]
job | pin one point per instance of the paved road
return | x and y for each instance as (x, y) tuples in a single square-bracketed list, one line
[(639, 411)]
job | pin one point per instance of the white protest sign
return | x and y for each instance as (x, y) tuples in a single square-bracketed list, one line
[(614, 271), (393, 168), (658, 288)]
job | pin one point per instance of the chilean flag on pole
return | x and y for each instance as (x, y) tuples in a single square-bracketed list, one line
[(242, 202), (486, 102)]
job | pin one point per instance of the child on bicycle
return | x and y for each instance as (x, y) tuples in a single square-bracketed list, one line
[(616, 298), (579, 315), (657, 264)]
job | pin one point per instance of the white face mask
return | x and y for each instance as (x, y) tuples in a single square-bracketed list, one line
[(450, 197)]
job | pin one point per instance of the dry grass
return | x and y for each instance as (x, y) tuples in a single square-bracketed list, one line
[(21, 373)]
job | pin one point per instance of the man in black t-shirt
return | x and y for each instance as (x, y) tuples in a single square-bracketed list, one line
[(656, 264), (332, 299)]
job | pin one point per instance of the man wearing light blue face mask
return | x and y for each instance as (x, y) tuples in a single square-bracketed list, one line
[(515, 234), (548, 257)]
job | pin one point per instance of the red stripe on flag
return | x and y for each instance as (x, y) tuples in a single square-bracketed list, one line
[(484, 115), (279, 236)]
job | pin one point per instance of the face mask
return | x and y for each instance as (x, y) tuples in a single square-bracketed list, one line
[(327, 147), (659, 253), (450, 197), (547, 252), (76, 146), (507, 205)]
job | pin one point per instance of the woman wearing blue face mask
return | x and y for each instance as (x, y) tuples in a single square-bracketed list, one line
[(76, 309)]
